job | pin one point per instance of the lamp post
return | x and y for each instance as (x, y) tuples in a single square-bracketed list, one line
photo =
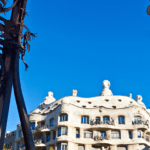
[(10, 41)]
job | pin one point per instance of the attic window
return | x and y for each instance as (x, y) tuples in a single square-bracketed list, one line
[(78, 101), (89, 102), (107, 100), (84, 106), (119, 100), (114, 107)]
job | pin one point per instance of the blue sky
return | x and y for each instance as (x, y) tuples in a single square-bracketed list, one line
[(80, 43)]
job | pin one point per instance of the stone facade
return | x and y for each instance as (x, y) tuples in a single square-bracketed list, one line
[(105, 122)]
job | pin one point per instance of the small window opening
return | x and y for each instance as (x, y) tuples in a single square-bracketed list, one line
[(107, 100), (78, 101), (114, 107), (119, 100), (84, 106), (89, 102)]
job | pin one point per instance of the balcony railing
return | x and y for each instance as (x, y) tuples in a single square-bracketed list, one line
[(140, 122), (100, 138), (98, 122), (39, 141), (39, 128)]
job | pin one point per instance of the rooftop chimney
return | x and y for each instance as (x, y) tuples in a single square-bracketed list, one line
[(74, 92), (130, 95)]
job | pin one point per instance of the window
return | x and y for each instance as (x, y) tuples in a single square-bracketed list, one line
[(84, 106), (114, 107), (147, 137), (19, 145), (115, 135), (20, 133), (77, 133), (139, 133), (138, 120), (42, 123), (130, 134), (121, 120), (107, 100), (105, 120), (103, 134), (64, 117), (52, 122), (78, 101), (89, 102), (85, 120), (62, 146), (48, 137), (97, 120), (41, 139), (54, 135), (62, 131), (119, 100), (32, 126), (87, 134)]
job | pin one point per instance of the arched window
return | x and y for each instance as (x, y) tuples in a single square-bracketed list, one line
[(106, 120), (85, 119), (62, 131), (64, 117), (121, 120)]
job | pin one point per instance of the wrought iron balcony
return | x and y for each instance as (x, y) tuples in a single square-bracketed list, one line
[(98, 122), (39, 128), (100, 138), (38, 141), (140, 122)]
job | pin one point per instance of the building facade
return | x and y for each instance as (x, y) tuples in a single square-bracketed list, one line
[(105, 122)]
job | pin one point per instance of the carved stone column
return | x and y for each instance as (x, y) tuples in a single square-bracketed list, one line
[(81, 133), (134, 134)]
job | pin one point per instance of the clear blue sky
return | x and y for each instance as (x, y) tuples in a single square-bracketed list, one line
[(80, 43)]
